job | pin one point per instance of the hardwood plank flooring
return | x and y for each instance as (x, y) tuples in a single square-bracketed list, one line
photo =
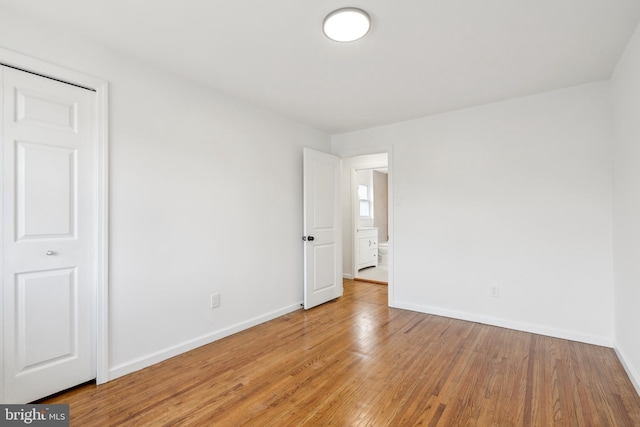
[(357, 362)]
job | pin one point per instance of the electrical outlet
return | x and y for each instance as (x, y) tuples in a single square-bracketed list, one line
[(215, 300), (494, 291)]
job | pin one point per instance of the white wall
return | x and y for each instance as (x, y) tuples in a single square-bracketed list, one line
[(626, 109), (349, 164), (515, 194), (206, 196), (381, 205)]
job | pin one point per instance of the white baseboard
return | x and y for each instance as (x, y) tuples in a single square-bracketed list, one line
[(633, 376), (159, 356), (347, 276), (503, 323)]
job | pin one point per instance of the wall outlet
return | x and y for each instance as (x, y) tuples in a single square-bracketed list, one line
[(215, 300), (494, 291)]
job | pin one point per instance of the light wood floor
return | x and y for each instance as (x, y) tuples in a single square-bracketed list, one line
[(356, 362)]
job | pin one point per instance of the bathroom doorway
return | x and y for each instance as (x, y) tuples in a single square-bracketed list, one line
[(366, 228), (372, 225)]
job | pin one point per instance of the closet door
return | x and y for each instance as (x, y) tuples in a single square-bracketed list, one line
[(48, 233)]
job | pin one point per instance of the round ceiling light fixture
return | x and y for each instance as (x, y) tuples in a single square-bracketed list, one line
[(347, 24)]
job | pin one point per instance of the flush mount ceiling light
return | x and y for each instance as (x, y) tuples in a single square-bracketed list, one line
[(346, 25)]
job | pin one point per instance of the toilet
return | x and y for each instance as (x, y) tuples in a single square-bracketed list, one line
[(383, 253)]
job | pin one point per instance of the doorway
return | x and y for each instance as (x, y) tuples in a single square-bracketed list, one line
[(371, 225), (367, 227)]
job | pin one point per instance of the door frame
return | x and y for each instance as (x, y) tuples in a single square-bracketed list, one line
[(101, 187)]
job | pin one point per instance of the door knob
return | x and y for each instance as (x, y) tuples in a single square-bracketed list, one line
[(49, 253), (308, 238)]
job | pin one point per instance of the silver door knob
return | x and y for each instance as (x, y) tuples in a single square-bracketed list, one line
[(49, 253)]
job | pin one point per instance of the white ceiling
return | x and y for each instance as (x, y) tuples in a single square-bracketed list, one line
[(421, 57)]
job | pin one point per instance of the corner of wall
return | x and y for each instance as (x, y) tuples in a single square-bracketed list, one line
[(633, 376)]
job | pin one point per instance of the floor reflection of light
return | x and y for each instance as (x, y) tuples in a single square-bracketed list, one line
[(364, 332)]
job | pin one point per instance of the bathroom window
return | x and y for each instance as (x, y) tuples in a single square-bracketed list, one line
[(365, 202), (365, 209), (363, 192)]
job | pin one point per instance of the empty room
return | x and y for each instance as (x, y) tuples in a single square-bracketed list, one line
[(194, 193)]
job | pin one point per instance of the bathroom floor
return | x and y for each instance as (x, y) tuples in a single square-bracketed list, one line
[(379, 273)]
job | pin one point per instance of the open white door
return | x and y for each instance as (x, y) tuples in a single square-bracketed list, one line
[(48, 235), (322, 246)]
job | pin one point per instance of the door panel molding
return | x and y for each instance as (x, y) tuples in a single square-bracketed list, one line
[(100, 191), (59, 298), (63, 221)]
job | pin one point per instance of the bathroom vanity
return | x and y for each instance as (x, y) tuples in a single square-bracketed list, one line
[(367, 245)]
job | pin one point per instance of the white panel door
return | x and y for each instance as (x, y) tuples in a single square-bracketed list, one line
[(48, 233), (322, 246)]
